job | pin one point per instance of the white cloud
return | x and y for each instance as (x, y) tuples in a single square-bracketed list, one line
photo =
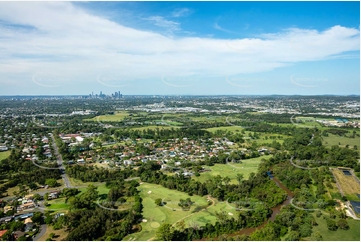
[(69, 41), (216, 26), (181, 12), (159, 21)]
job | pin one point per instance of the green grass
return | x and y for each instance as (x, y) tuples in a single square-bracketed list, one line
[(119, 116), (332, 140), (102, 189), (262, 138), (157, 215), (352, 234), (154, 127), (170, 122), (4, 154), (79, 183), (60, 234), (232, 169), (58, 205), (233, 129)]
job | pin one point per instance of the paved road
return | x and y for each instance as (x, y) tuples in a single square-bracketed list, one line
[(43, 228), (60, 163)]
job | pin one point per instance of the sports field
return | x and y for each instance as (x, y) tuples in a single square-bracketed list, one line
[(231, 169), (200, 212), (118, 116)]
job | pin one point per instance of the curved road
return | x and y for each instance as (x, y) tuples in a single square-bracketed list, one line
[(43, 228)]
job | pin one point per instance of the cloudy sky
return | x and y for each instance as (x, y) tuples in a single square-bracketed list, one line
[(179, 48)]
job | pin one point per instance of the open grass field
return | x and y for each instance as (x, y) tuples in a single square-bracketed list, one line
[(59, 234), (264, 138), (102, 189), (210, 118), (79, 183), (234, 129), (171, 212), (11, 190), (118, 116), (348, 183), (58, 205), (231, 170), (4, 155), (170, 122), (154, 127), (352, 234), (332, 140)]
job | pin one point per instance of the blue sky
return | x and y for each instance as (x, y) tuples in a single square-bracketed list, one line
[(182, 48)]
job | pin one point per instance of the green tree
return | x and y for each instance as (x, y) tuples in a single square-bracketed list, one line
[(165, 232), (317, 236), (292, 236), (7, 236), (37, 217), (37, 197), (239, 178), (51, 182), (331, 224), (158, 202), (33, 186), (342, 224)]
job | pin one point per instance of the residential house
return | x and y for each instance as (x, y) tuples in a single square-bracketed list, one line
[(128, 162), (18, 234), (28, 224), (2, 232), (8, 208), (53, 195)]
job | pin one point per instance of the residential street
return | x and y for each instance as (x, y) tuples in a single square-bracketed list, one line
[(60, 162)]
